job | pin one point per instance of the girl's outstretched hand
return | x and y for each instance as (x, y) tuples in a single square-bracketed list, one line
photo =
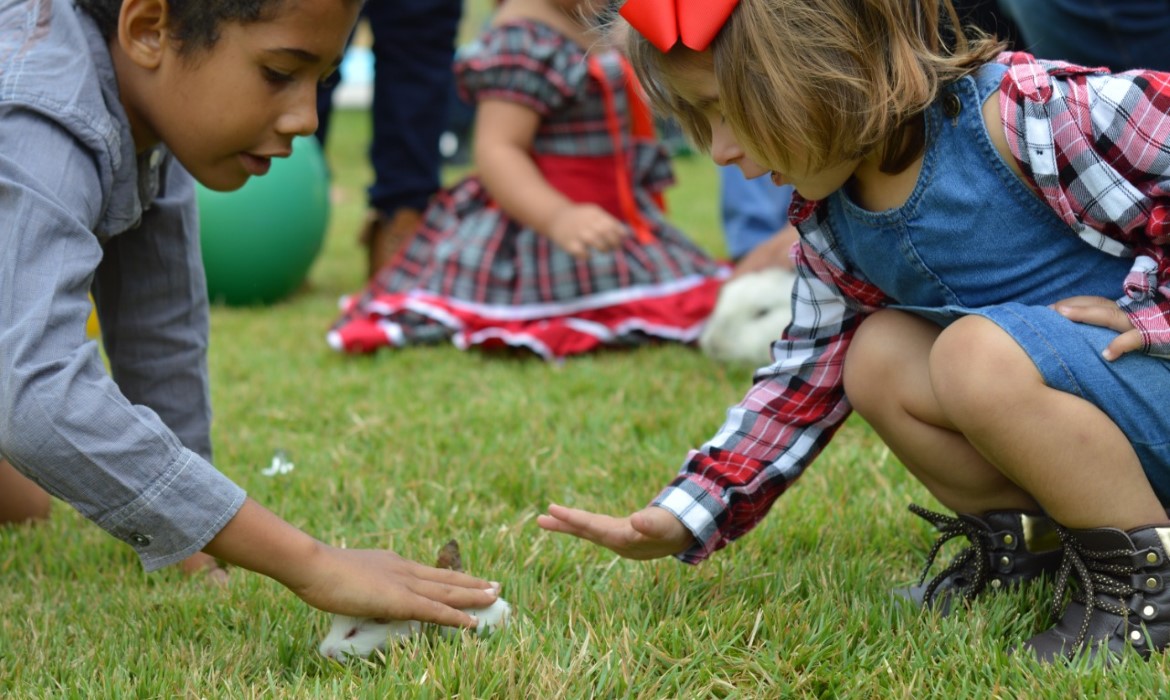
[(1099, 311), (647, 534), (381, 584)]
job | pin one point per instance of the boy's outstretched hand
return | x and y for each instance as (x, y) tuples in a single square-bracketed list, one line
[(379, 583), (356, 582), (647, 534)]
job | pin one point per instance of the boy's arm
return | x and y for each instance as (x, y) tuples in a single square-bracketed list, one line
[(64, 422), (151, 297)]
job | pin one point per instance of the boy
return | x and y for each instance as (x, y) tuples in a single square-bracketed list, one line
[(108, 109)]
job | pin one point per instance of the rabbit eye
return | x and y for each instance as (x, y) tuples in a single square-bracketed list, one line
[(760, 313)]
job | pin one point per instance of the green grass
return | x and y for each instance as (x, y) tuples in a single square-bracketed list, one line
[(411, 448)]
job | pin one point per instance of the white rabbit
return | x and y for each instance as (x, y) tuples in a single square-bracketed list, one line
[(751, 312), (361, 636)]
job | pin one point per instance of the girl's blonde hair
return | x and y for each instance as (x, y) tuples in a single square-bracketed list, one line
[(829, 79)]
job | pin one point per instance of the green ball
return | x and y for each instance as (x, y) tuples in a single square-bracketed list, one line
[(259, 241)]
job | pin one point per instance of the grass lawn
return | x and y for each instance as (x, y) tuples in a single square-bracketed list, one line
[(409, 449)]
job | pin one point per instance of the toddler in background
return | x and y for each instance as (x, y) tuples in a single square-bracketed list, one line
[(558, 243)]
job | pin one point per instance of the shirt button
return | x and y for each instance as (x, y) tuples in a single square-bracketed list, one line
[(951, 105), (155, 158), (140, 539)]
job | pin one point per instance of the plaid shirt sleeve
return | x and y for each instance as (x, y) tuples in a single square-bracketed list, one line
[(794, 407), (1095, 147)]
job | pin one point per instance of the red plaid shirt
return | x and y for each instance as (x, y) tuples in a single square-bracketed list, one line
[(1093, 145)]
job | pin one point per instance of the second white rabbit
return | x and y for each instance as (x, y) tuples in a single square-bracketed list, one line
[(752, 311)]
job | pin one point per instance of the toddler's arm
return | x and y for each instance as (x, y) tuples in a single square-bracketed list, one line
[(504, 133)]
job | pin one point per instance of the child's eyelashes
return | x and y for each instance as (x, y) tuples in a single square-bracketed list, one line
[(280, 78), (276, 77)]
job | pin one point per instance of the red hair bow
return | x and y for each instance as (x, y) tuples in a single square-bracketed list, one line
[(666, 22)]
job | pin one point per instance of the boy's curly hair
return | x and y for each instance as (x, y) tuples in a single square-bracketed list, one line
[(195, 24)]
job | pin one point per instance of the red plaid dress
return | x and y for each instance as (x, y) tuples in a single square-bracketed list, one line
[(473, 275)]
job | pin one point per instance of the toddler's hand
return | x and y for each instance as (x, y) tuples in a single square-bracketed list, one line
[(647, 534), (581, 227), (381, 584), (1099, 311)]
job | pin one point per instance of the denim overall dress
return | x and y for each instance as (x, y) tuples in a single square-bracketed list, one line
[(972, 238)]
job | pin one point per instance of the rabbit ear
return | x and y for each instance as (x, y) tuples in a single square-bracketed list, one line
[(449, 557)]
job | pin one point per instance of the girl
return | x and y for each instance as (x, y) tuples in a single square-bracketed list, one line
[(980, 274), (559, 244), (110, 110)]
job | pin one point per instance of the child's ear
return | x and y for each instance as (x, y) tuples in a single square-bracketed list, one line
[(142, 30)]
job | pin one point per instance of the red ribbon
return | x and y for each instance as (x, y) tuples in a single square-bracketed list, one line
[(666, 22)]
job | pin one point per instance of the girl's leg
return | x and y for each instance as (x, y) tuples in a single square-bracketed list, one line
[(888, 382), (1057, 446), (1083, 469), (21, 500), (887, 379)]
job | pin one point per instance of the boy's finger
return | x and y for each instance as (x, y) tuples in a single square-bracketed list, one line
[(426, 610), (455, 596), (449, 577)]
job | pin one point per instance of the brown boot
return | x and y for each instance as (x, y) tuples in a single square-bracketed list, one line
[(1122, 601), (384, 235), (1007, 547)]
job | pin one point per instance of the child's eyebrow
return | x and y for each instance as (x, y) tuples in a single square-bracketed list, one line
[(303, 55)]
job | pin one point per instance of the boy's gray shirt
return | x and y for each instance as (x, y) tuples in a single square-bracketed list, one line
[(81, 212)]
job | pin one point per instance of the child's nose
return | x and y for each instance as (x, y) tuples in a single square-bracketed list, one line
[(300, 118), (725, 149)]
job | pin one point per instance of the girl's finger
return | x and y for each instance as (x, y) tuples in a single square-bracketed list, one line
[(571, 521), (1105, 316), (1126, 342)]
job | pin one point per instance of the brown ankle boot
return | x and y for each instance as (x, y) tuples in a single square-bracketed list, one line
[(384, 235), (1007, 547), (1121, 601)]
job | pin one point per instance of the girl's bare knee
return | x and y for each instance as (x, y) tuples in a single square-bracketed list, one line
[(874, 360), (974, 364)]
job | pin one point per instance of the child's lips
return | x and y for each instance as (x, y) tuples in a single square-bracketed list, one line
[(256, 165)]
